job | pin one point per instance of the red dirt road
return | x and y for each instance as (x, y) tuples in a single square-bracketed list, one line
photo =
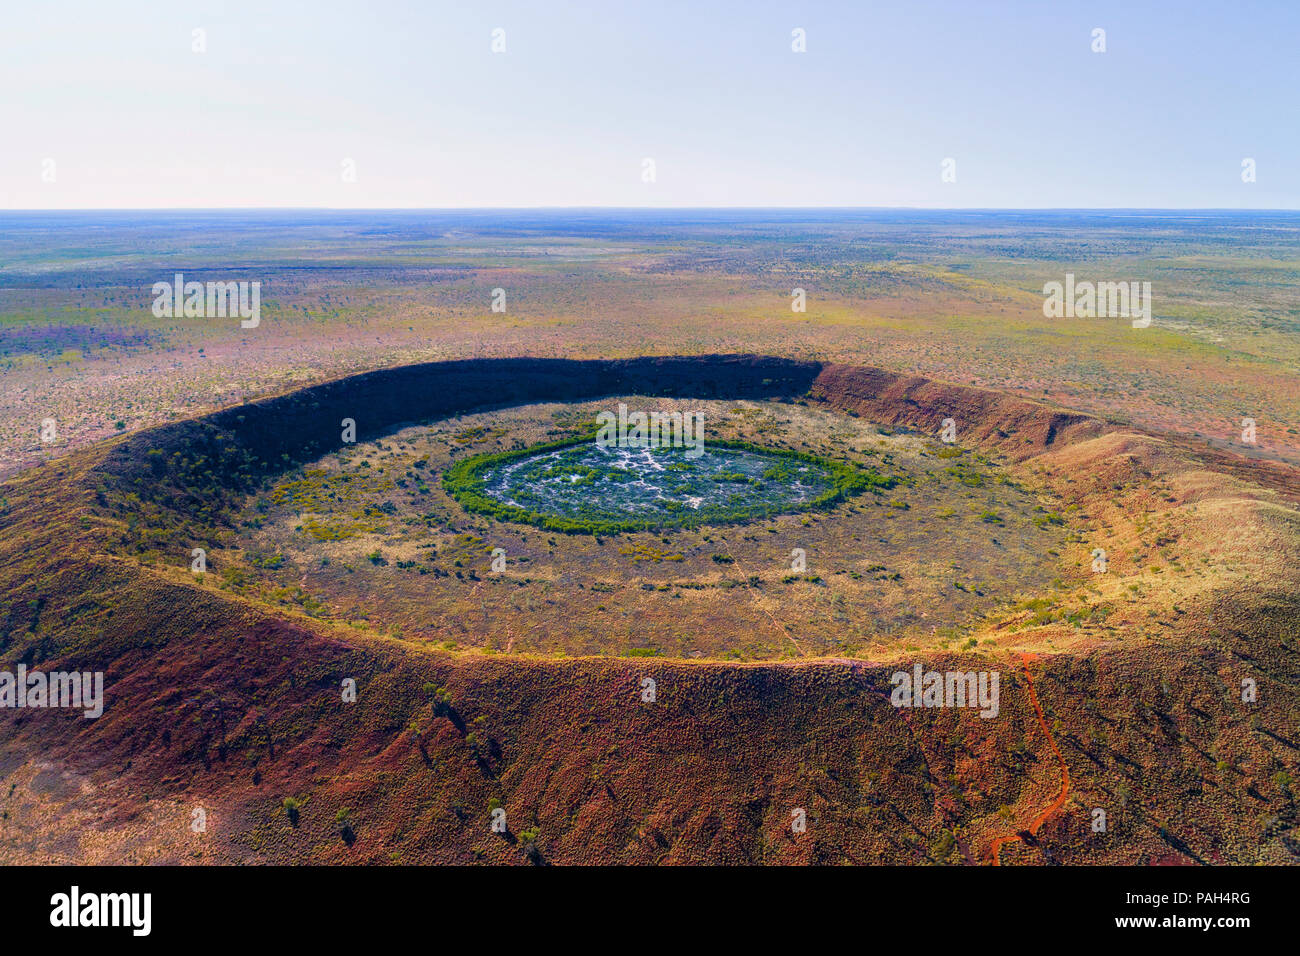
[(995, 851)]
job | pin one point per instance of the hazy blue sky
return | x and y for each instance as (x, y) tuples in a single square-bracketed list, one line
[(412, 93)]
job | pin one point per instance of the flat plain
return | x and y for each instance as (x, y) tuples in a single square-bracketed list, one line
[(946, 295)]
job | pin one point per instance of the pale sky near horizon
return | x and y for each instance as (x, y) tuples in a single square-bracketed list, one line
[(112, 101)]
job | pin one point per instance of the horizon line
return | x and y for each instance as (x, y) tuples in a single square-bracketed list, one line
[(648, 208)]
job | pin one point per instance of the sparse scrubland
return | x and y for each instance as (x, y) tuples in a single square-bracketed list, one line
[(1157, 685), (900, 552), (946, 295)]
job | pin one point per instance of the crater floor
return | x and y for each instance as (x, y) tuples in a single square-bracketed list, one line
[(370, 535)]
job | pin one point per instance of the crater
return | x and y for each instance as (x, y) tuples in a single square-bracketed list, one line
[(796, 530)]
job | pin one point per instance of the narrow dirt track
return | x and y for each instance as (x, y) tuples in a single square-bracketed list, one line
[(995, 851), (758, 602)]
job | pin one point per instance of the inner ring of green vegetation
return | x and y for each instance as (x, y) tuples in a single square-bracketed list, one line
[(575, 486)]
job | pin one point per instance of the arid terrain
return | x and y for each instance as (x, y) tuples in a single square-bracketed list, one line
[(348, 674), (953, 296), (369, 536)]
